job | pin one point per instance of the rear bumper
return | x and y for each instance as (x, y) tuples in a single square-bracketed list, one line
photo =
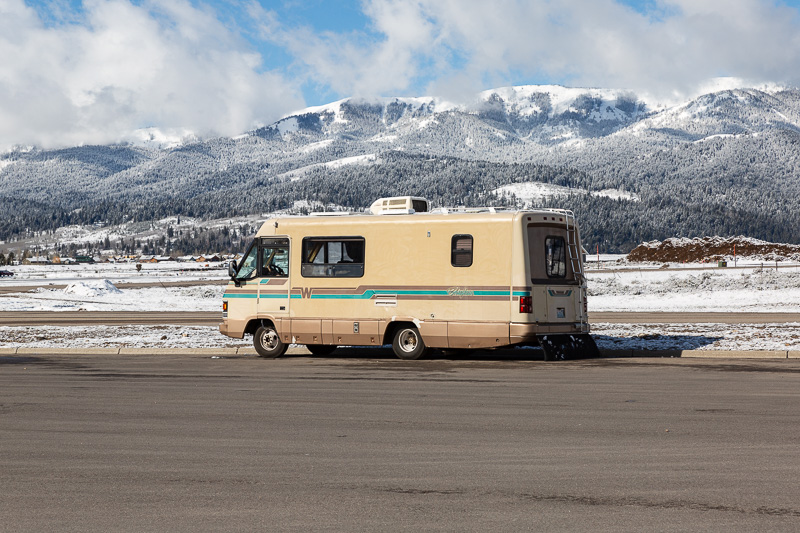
[(526, 332)]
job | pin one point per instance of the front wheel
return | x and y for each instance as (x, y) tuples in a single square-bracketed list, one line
[(408, 343), (268, 343)]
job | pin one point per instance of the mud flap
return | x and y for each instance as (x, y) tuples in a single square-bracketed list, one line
[(562, 347)]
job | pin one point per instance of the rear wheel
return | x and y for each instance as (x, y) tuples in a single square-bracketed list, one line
[(320, 349), (408, 343), (268, 343)]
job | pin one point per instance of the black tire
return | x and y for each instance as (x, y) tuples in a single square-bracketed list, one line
[(268, 343), (408, 344), (320, 349)]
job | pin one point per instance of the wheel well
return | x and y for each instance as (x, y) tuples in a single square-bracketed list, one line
[(391, 329), (253, 325)]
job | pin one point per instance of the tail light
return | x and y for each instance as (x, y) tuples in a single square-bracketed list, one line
[(526, 304)]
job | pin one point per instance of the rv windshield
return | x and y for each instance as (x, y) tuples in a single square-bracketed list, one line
[(247, 268)]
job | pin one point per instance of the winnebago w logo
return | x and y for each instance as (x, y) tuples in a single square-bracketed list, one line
[(305, 292)]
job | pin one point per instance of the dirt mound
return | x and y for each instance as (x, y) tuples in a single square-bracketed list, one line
[(712, 249)]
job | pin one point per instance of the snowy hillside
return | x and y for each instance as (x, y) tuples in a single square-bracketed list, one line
[(726, 163)]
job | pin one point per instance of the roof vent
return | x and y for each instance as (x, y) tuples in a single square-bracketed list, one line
[(399, 205)]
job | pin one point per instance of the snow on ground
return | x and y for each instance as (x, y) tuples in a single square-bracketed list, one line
[(164, 336), (43, 275), (532, 192), (690, 288), (105, 296), (754, 289)]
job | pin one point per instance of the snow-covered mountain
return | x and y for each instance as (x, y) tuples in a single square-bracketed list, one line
[(727, 162), (540, 114)]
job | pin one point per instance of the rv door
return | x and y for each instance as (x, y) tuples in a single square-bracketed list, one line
[(555, 286), (273, 278)]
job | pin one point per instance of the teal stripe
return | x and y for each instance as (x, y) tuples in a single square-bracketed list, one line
[(491, 293), (369, 294)]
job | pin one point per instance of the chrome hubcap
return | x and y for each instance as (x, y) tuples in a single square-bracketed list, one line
[(408, 341), (269, 339)]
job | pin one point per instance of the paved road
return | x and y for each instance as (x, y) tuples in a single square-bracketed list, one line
[(371, 443), (213, 318)]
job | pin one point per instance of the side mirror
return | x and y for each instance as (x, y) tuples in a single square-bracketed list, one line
[(232, 268)]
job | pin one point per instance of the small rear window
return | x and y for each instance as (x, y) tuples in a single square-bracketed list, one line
[(461, 251), (555, 257)]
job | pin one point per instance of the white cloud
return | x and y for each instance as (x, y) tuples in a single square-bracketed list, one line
[(443, 45), (118, 66), (128, 66)]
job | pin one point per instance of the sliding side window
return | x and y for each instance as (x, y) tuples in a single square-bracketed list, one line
[(461, 251), (333, 257)]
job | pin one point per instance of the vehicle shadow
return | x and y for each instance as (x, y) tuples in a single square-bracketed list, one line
[(610, 346)]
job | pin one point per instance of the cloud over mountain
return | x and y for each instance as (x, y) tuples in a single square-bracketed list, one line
[(124, 67)]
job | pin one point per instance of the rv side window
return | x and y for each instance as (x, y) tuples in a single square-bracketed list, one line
[(461, 251), (275, 261), (555, 256), (339, 257), (419, 206)]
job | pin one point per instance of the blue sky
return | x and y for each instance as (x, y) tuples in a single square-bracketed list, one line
[(84, 71)]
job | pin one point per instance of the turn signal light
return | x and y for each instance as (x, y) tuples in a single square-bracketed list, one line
[(526, 304), (224, 306)]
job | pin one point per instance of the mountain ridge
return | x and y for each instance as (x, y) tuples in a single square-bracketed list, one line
[(724, 163)]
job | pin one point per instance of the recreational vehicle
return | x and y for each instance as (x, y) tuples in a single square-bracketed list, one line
[(403, 275)]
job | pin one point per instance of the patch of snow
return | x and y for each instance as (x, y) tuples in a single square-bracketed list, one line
[(384, 138), (424, 123), (717, 136), (617, 194), (532, 191), (288, 125), (781, 336), (313, 147), (171, 138), (710, 290), (365, 159), (92, 288)]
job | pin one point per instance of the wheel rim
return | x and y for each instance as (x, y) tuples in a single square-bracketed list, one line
[(408, 341), (270, 340)]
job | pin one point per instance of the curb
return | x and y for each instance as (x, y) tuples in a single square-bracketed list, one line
[(249, 350), (705, 354)]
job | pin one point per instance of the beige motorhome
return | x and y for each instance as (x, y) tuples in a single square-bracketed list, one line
[(401, 275)]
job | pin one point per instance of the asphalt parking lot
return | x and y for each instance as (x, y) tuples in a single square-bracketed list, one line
[(363, 441)]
